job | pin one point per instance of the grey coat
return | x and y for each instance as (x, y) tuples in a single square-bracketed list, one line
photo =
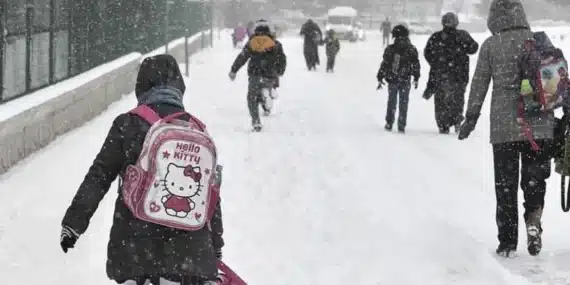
[(499, 59)]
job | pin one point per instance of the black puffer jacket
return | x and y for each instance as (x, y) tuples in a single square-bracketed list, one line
[(265, 54), (447, 52), (400, 62), (138, 249), (332, 44)]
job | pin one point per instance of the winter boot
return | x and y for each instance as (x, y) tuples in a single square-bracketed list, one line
[(401, 130), (444, 131), (534, 232), (388, 127), (506, 250), (256, 125)]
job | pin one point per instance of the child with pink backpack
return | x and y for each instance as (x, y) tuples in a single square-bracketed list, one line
[(167, 226)]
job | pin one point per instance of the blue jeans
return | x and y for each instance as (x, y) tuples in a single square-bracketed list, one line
[(397, 89)]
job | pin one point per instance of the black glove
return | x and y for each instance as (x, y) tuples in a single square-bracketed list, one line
[(380, 84), (68, 238), (218, 253), (468, 126)]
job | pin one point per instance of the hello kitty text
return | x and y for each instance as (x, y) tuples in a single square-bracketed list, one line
[(187, 152)]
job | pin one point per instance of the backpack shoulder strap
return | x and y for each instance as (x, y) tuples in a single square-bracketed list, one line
[(173, 116), (199, 123), (147, 113)]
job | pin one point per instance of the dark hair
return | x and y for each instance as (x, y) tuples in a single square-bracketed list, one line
[(450, 20), (400, 31)]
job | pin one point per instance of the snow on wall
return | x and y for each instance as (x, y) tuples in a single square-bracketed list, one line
[(31, 122), (15, 107)]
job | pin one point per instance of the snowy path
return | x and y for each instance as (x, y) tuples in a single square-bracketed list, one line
[(322, 196)]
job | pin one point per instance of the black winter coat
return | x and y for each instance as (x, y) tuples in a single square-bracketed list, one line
[(400, 62), (311, 33), (332, 45), (447, 52), (266, 57), (138, 249)]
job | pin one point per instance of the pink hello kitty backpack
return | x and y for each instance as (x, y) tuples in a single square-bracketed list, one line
[(174, 181)]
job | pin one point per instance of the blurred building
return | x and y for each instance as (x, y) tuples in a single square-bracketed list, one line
[(408, 9)]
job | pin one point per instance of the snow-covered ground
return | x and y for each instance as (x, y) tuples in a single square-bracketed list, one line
[(322, 196)]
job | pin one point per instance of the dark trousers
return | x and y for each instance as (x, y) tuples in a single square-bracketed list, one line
[(386, 40), (449, 103), (331, 58), (534, 170), (254, 98), (311, 53), (401, 90)]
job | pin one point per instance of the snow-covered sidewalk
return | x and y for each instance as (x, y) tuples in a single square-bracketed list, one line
[(322, 196)]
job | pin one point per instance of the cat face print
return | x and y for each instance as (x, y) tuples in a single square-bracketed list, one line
[(183, 181)]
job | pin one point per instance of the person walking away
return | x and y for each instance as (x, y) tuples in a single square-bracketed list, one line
[(332, 47), (447, 52), (399, 64), (239, 35), (139, 250), (312, 36), (386, 31), (250, 28), (500, 60), (267, 62)]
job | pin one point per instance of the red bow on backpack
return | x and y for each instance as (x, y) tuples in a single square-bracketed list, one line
[(189, 172)]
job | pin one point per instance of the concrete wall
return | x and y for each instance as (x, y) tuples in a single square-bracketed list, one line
[(75, 101)]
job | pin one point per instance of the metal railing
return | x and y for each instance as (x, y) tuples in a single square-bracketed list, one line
[(46, 41)]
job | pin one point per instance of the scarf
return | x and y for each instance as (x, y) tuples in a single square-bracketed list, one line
[(161, 95)]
